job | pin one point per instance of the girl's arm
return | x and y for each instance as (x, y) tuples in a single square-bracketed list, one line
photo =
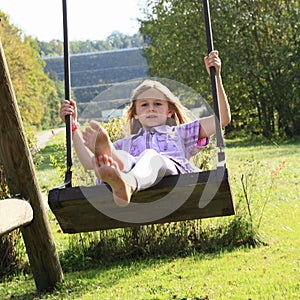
[(85, 156), (208, 126)]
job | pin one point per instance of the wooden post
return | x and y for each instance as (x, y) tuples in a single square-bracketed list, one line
[(21, 180)]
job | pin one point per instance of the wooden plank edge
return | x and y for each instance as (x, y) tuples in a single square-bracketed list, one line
[(13, 214)]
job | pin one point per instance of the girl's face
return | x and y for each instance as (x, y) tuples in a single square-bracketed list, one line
[(152, 112)]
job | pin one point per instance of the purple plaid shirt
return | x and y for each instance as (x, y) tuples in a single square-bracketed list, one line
[(178, 143)]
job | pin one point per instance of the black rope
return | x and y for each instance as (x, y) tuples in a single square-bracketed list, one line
[(68, 176), (210, 47)]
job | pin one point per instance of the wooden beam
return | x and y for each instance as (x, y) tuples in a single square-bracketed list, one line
[(21, 179), (14, 213)]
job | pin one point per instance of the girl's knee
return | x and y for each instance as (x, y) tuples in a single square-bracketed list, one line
[(127, 159), (149, 156), (150, 152)]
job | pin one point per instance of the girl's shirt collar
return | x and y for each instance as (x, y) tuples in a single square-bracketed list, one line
[(158, 129)]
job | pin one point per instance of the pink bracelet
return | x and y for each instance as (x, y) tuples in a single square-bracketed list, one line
[(75, 126), (202, 142)]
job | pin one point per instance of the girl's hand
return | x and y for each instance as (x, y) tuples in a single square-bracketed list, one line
[(68, 108), (213, 60)]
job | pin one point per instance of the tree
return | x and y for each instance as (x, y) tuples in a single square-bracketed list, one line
[(114, 41), (265, 37), (259, 45), (32, 87), (52, 48)]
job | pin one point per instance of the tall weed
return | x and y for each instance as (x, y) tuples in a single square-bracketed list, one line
[(257, 186)]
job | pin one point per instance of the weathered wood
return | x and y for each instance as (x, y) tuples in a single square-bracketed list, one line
[(14, 213), (174, 198), (21, 179)]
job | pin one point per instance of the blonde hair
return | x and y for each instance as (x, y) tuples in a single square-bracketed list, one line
[(179, 115)]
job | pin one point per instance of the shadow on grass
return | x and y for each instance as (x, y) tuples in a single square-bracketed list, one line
[(107, 275), (181, 239), (91, 261)]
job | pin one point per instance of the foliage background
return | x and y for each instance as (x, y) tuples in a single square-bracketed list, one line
[(258, 42), (259, 45), (37, 95)]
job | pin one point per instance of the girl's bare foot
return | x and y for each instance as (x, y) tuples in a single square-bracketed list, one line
[(108, 170), (97, 140)]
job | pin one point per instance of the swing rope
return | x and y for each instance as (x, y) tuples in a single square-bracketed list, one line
[(210, 47), (219, 135), (67, 82)]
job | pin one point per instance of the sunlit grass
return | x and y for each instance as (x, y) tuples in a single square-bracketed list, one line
[(266, 272)]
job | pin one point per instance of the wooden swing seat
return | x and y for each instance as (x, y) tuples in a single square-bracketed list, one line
[(187, 196)]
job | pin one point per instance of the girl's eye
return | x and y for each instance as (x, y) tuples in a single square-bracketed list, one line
[(145, 104)]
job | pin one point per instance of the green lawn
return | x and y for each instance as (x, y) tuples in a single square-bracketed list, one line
[(271, 172)]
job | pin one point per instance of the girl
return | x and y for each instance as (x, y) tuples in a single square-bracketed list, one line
[(161, 142)]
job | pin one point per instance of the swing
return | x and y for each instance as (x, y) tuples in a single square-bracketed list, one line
[(173, 198)]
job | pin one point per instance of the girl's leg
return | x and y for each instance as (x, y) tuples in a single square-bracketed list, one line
[(97, 140), (127, 159), (122, 184), (151, 165), (111, 165)]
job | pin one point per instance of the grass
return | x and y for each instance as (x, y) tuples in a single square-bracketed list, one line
[(49, 175), (271, 271)]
